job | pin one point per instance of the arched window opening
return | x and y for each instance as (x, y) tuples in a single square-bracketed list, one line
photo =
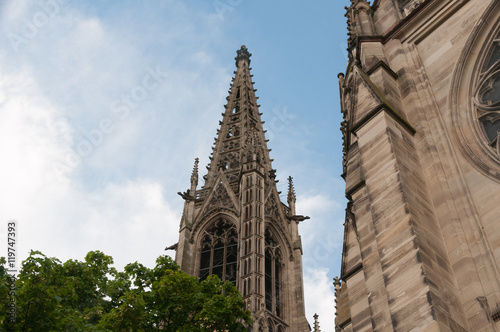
[(261, 326), (273, 276), (270, 326), (219, 250), (269, 281), (249, 285), (277, 284)]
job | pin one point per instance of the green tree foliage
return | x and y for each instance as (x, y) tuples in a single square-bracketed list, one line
[(93, 296), (4, 293)]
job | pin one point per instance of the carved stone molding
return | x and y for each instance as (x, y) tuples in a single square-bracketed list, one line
[(427, 18)]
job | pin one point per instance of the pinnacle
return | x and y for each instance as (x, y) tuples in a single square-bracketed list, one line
[(316, 323), (194, 175), (291, 190)]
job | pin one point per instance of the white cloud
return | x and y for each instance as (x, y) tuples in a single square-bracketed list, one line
[(320, 298), (130, 221), (322, 238), (325, 213), (32, 133), (318, 203)]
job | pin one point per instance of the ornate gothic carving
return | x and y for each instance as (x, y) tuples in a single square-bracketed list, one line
[(410, 5), (220, 199), (271, 210), (230, 161), (230, 145), (346, 110)]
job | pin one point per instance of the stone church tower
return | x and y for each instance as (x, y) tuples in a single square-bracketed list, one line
[(235, 225), (421, 105)]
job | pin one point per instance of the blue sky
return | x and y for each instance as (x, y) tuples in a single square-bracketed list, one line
[(83, 170)]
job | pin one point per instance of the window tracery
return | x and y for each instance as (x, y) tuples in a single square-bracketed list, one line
[(219, 250), (476, 96), (270, 326), (487, 97)]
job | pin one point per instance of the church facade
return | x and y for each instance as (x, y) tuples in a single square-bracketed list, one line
[(421, 104), (236, 227)]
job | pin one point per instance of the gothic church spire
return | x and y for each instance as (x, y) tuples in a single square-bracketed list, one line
[(236, 226), (241, 137)]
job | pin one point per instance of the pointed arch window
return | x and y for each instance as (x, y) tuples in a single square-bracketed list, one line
[(219, 251), (273, 275), (270, 326)]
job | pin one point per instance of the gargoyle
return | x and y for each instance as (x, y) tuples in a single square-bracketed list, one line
[(187, 197), (172, 247), (298, 218)]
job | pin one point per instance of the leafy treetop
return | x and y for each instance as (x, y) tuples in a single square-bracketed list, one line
[(93, 296)]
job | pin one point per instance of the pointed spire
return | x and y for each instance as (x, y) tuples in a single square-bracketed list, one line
[(316, 323), (241, 138), (194, 175)]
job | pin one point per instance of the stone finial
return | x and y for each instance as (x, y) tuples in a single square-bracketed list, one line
[(341, 77), (242, 54), (316, 323)]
